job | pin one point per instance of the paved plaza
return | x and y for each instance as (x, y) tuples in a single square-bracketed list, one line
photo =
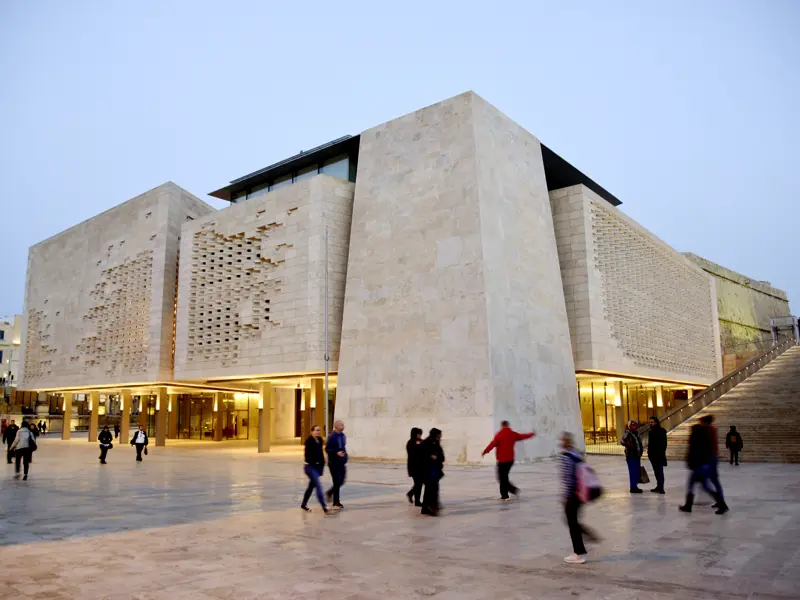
[(202, 522)]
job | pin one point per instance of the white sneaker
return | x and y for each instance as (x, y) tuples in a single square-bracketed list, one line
[(574, 559)]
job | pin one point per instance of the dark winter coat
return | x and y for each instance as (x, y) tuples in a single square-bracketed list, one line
[(734, 444), (416, 462), (433, 459), (657, 445), (314, 455), (700, 451), (10, 434), (633, 445), (104, 437)]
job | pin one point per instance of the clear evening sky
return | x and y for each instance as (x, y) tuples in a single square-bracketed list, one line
[(687, 111)]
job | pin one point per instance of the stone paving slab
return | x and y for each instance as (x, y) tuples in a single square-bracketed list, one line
[(205, 524)]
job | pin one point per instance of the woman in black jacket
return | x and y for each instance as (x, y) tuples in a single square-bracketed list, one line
[(433, 459), (416, 469), (657, 452), (105, 443), (314, 465)]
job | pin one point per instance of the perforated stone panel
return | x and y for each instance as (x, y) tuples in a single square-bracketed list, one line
[(99, 301), (251, 285), (635, 305), (658, 305)]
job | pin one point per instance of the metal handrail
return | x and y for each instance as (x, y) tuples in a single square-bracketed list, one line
[(718, 388)]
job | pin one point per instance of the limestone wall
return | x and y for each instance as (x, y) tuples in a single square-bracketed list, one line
[(99, 297), (745, 307), (636, 306), (452, 316), (251, 287)]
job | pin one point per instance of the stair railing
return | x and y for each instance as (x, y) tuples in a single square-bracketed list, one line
[(713, 392)]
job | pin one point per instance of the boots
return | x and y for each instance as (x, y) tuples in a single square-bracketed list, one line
[(721, 507), (688, 506)]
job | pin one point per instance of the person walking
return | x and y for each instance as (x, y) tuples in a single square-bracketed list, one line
[(105, 443), (23, 445), (633, 455), (433, 461), (569, 461), (116, 430), (33, 429), (43, 428), (734, 443), (699, 458), (313, 467), (9, 435), (708, 421), (336, 448), (657, 452), (415, 465), (140, 441), (504, 442)]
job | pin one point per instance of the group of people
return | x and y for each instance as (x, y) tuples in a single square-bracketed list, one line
[(425, 468), (314, 464), (702, 458), (20, 445)]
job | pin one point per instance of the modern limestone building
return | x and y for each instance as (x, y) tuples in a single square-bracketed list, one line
[(470, 275)]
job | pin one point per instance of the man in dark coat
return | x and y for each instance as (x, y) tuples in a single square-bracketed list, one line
[(9, 435), (433, 457), (657, 452), (700, 459), (140, 441), (416, 468), (336, 448), (734, 443)]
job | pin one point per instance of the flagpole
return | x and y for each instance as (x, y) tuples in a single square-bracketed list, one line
[(327, 421)]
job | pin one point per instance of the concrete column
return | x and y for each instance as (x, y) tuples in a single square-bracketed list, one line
[(161, 416), (218, 414), (619, 410), (172, 432), (659, 400), (67, 425), (266, 401), (143, 401), (690, 393), (94, 408), (125, 416), (318, 402), (306, 429)]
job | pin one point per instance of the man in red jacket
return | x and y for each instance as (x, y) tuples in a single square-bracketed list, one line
[(504, 442)]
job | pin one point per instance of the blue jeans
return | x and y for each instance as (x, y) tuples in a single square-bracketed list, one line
[(714, 477), (701, 475), (313, 473), (634, 465)]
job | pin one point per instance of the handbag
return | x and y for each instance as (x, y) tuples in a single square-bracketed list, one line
[(32, 443), (145, 453), (643, 478)]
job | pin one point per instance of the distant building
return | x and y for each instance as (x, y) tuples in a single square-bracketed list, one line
[(473, 275), (10, 334)]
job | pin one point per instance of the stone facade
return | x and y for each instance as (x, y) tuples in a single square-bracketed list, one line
[(636, 306), (453, 315), (745, 307), (252, 280), (100, 296)]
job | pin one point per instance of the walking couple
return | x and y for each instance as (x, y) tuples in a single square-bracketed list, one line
[(336, 449), (426, 468)]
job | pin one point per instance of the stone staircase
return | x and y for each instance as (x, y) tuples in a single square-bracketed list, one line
[(765, 408)]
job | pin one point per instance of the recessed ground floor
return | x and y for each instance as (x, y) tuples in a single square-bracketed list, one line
[(201, 525), (233, 410)]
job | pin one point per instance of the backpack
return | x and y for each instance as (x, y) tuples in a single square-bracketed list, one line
[(588, 486)]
